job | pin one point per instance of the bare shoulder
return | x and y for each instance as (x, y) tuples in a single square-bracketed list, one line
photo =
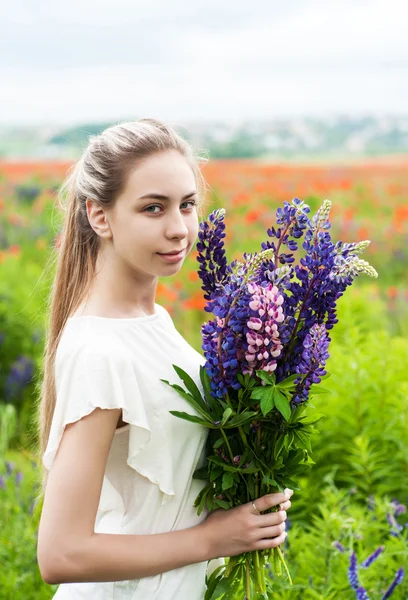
[(73, 490)]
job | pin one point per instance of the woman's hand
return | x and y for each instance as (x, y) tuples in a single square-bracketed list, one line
[(242, 529)]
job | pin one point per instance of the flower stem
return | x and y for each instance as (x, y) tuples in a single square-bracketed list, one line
[(247, 580), (282, 560), (227, 444)]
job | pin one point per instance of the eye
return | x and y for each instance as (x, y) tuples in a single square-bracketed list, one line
[(192, 202)]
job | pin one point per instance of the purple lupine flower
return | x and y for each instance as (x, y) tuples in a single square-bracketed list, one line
[(2, 483), (211, 254), (399, 576), (395, 526), (361, 594), (312, 361), (339, 546), (20, 374), (371, 502), (10, 467), (19, 477), (370, 559), (398, 508), (352, 572)]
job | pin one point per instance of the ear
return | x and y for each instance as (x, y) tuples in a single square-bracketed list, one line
[(98, 219)]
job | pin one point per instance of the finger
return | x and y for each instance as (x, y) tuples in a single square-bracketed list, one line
[(274, 518), (274, 531), (285, 505), (267, 543), (270, 500)]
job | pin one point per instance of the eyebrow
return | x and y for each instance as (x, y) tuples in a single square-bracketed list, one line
[(164, 198)]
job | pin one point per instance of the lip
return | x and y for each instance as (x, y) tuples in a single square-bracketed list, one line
[(172, 258), (171, 253)]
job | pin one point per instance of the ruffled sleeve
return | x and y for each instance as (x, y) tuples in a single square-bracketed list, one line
[(104, 376)]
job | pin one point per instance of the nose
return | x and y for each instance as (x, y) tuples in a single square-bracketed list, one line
[(176, 226)]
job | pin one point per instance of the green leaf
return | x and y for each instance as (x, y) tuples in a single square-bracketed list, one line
[(233, 588), (190, 384), (218, 461), (267, 480), (303, 440), (267, 377), (227, 413), (201, 498), (205, 382), (282, 404), (267, 402), (240, 419), (218, 443), (220, 589), (315, 391), (227, 481), (190, 399), (288, 382), (264, 394), (192, 419), (201, 473), (279, 445), (290, 483), (222, 503), (259, 392)]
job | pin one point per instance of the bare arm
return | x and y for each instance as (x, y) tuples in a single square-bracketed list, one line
[(68, 548), (116, 557)]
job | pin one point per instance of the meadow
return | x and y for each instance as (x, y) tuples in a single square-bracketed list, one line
[(355, 497)]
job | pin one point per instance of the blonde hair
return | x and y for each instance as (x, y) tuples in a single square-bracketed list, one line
[(100, 174)]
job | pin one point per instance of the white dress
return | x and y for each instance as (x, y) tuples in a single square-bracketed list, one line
[(148, 486)]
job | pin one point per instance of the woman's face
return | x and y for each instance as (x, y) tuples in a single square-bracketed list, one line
[(143, 227)]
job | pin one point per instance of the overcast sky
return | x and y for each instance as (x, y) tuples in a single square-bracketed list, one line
[(82, 60)]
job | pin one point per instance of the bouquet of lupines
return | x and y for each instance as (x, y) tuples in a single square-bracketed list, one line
[(265, 352)]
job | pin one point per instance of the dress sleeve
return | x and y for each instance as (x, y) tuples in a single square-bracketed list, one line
[(104, 377)]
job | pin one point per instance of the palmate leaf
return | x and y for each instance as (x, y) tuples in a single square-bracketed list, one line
[(200, 407), (190, 384)]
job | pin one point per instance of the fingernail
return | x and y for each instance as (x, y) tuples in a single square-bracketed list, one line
[(288, 492)]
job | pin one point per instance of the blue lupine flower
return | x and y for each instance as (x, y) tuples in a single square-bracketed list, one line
[(19, 477), (370, 559), (20, 374), (395, 526), (2, 483), (312, 361), (10, 467), (362, 594), (398, 507), (399, 576), (339, 546), (352, 572)]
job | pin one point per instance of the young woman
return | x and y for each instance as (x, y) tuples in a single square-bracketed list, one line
[(118, 520)]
